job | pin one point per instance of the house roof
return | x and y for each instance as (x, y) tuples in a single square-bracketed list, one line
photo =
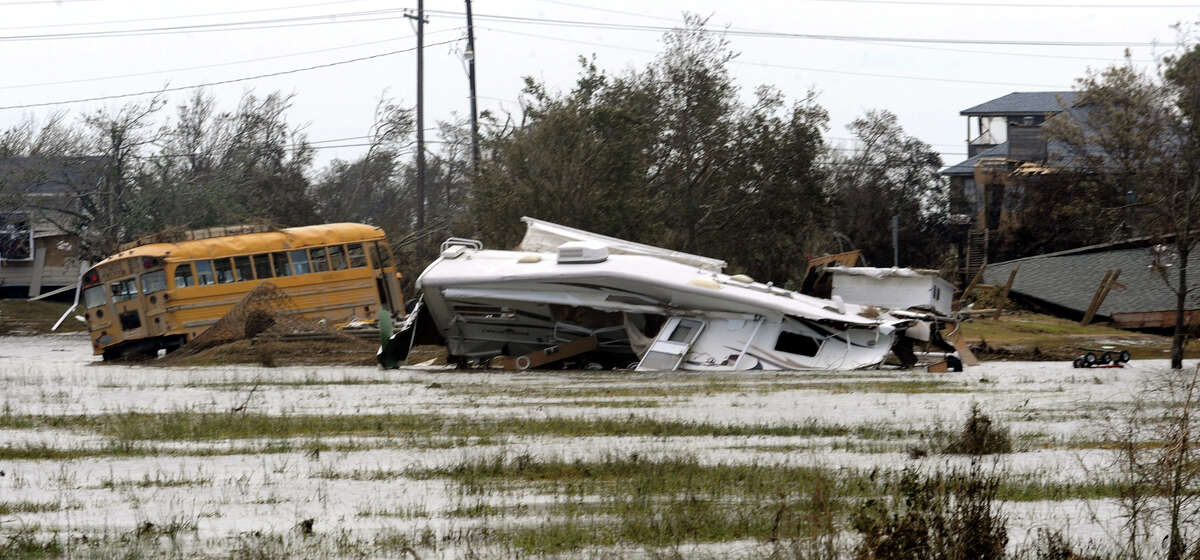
[(1023, 103), (967, 166), (1069, 278), (49, 175)]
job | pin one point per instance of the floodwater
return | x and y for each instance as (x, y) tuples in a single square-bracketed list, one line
[(218, 494)]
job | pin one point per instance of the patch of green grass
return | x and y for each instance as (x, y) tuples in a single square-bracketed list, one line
[(627, 500), (713, 387), (186, 425), (627, 403), (11, 508), (18, 316), (159, 480)]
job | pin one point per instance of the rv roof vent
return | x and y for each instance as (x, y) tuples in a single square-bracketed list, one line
[(582, 252)]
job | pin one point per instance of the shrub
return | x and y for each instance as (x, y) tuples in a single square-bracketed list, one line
[(938, 517), (980, 436)]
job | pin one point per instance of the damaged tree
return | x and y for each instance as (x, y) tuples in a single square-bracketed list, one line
[(1135, 133)]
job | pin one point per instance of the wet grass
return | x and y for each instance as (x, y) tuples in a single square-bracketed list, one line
[(628, 500), (709, 388), (16, 508), (186, 425)]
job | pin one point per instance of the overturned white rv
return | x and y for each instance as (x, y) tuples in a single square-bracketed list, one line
[(620, 304)]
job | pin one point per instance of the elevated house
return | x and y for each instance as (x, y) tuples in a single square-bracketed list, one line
[(1006, 150), (37, 254)]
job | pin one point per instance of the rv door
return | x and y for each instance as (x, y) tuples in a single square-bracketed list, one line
[(671, 344)]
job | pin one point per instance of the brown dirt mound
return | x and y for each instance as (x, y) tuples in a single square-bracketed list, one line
[(264, 327)]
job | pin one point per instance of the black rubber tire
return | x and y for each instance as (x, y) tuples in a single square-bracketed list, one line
[(1078, 363), (1124, 357), (1089, 358)]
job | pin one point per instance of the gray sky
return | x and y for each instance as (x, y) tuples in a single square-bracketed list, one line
[(926, 84)]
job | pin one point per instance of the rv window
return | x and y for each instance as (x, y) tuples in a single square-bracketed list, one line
[(793, 343), (123, 290), (223, 269), (204, 273), (337, 258), (154, 281), (358, 258), (299, 261), (684, 332), (319, 262), (281, 264), (183, 276), (94, 296), (242, 266), (262, 266)]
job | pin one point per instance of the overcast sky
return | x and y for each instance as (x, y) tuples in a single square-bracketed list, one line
[(926, 84)]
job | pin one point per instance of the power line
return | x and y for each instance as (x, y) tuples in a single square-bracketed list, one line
[(32, 2), (220, 82), (216, 64), (185, 16), (296, 21), (971, 51), (801, 68), (1005, 5), (789, 35)]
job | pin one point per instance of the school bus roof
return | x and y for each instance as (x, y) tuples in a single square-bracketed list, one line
[(247, 243)]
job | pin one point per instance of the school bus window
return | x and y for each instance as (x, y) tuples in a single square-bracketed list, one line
[(299, 261), (123, 290), (337, 257), (383, 256), (242, 266), (358, 258), (154, 281), (281, 264), (94, 296), (204, 273), (319, 262), (262, 266), (183, 276), (223, 268)]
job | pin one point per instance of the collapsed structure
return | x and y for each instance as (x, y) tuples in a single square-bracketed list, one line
[(606, 302)]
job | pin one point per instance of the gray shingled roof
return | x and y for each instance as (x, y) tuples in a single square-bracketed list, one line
[(47, 176), (1069, 279), (967, 166), (1023, 103)]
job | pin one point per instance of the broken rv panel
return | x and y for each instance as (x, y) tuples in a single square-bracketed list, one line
[(636, 305)]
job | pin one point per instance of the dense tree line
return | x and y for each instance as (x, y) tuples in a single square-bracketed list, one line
[(673, 154)]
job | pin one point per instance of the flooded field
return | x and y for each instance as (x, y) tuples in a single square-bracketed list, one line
[(357, 462)]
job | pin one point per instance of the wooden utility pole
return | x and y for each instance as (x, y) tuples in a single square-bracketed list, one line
[(420, 17), (471, 79)]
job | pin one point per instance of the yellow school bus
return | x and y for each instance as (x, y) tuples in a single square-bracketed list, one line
[(161, 295)]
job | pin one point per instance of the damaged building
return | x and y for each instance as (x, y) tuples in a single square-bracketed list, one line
[(1007, 153)]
